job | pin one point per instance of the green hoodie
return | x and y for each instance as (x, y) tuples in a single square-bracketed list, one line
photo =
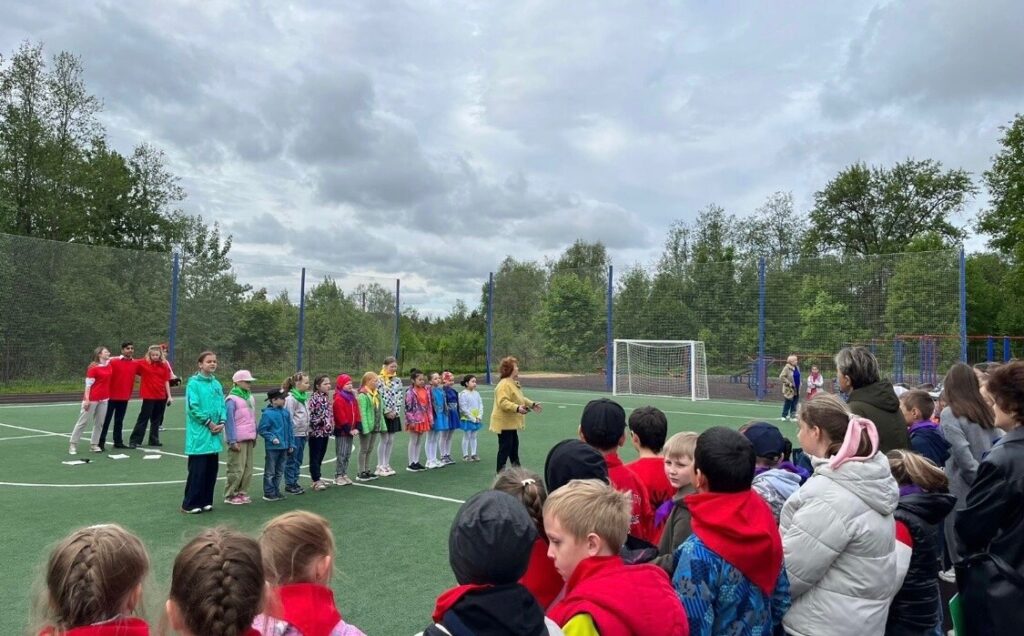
[(204, 402), (878, 403)]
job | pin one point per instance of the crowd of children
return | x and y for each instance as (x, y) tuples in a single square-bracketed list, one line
[(303, 415), (725, 532)]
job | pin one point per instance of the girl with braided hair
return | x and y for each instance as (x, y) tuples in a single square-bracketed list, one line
[(216, 586), (298, 558), (94, 584), (541, 578)]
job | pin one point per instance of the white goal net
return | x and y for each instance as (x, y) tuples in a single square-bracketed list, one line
[(669, 368)]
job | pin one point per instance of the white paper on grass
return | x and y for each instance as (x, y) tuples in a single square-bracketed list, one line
[(75, 462), (151, 457), (118, 456)]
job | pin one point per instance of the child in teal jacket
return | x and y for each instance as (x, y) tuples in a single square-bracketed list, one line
[(204, 420)]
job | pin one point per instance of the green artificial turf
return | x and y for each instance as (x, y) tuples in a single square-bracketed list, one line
[(392, 536)]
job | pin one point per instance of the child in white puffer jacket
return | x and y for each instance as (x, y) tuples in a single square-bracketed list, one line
[(838, 531)]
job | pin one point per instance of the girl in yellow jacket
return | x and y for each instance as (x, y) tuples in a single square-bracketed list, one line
[(509, 414)]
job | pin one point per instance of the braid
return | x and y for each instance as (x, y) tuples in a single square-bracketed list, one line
[(527, 487), (91, 576), (218, 582)]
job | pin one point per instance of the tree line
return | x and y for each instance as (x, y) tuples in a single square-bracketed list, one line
[(116, 217)]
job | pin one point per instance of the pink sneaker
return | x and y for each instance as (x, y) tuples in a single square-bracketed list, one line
[(235, 500)]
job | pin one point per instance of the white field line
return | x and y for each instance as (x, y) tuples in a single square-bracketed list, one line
[(7, 439)]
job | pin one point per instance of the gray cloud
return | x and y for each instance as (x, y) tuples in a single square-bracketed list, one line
[(427, 141)]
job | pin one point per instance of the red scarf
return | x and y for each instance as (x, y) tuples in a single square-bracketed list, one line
[(448, 599), (739, 527), (117, 627), (309, 607)]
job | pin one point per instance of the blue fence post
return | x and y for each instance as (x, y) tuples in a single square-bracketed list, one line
[(302, 316), (398, 314), (990, 349), (609, 357), (490, 326), (1007, 354), (897, 360), (963, 306), (172, 329), (762, 368)]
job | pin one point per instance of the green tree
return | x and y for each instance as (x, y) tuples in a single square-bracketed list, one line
[(986, 298), (876, 210), (774, 230), (518, 290), (571, 322), (1003, 221)]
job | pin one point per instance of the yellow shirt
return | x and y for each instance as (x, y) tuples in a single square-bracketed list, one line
[(508, 397), (580, 625)]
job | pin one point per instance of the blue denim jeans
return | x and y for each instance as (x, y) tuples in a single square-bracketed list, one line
[(275, 464), (789, 406), (291, 469)]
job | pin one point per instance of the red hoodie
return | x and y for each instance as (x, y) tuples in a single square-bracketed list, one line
[(641, 522), (541, 578), (740, 528), (119, 627), (346, 412), (621, 599)]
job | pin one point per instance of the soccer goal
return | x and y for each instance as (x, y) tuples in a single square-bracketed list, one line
[(669, 368)]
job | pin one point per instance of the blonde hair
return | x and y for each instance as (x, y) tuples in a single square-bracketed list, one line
[(156, 348), (585, 506), (680, 445), (96, 353), (910, 468), (291, 543), (830, 414), (292, 381), (368, 377), (526, 486), (90, 577), (217, 582)]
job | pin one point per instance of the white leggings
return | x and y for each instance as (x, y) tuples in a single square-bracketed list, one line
[(415, 443), (97, 411), (469, 443)]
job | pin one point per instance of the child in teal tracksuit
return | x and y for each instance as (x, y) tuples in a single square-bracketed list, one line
[(276, 429)]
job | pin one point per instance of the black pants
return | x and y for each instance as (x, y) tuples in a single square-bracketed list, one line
[(317, 451), (116, 410), (508, 448), (152, 413), (202, 479)]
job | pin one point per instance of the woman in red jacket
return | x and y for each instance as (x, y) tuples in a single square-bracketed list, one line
[(346, 426), (94, 401), (155, 390)]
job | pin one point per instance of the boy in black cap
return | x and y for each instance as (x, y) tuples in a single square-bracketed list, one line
[(775, 477), (276, 430), (489, 549), (603, 426), (572, 459)]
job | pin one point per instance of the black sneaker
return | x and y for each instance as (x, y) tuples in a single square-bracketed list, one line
[(419, 467), (133, 445), (295, 490), (273, 498), (120, 446)]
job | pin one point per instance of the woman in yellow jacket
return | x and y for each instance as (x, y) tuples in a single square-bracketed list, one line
[(509, 414)]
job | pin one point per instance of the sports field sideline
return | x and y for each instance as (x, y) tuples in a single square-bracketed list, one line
[(392, 534)]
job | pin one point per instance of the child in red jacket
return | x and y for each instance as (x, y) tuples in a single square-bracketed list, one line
[(586, 522), (346, 426), (603, 426)]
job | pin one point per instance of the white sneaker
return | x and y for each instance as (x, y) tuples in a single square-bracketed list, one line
[(95, 448), (379, 471), (949, 576), (72, 450)]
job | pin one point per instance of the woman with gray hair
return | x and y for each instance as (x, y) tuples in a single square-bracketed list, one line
[(871, 397)]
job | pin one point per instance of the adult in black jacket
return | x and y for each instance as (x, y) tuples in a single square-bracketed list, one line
[(871, 397), (991, 527), (924, 503)]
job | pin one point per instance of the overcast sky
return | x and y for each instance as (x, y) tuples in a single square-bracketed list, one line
[(427, 140)]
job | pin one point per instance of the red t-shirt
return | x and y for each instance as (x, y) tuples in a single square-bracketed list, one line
[(122, 379), (100, 375), (651, 471), (641, 524), (155, 376)]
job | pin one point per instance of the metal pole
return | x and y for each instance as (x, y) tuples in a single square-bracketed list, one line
[(963, 306), (609, 359), (488, 349), (398, 312), (761, 370), (172, 329), (1007, 354), (990, 349), (302, 316)]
